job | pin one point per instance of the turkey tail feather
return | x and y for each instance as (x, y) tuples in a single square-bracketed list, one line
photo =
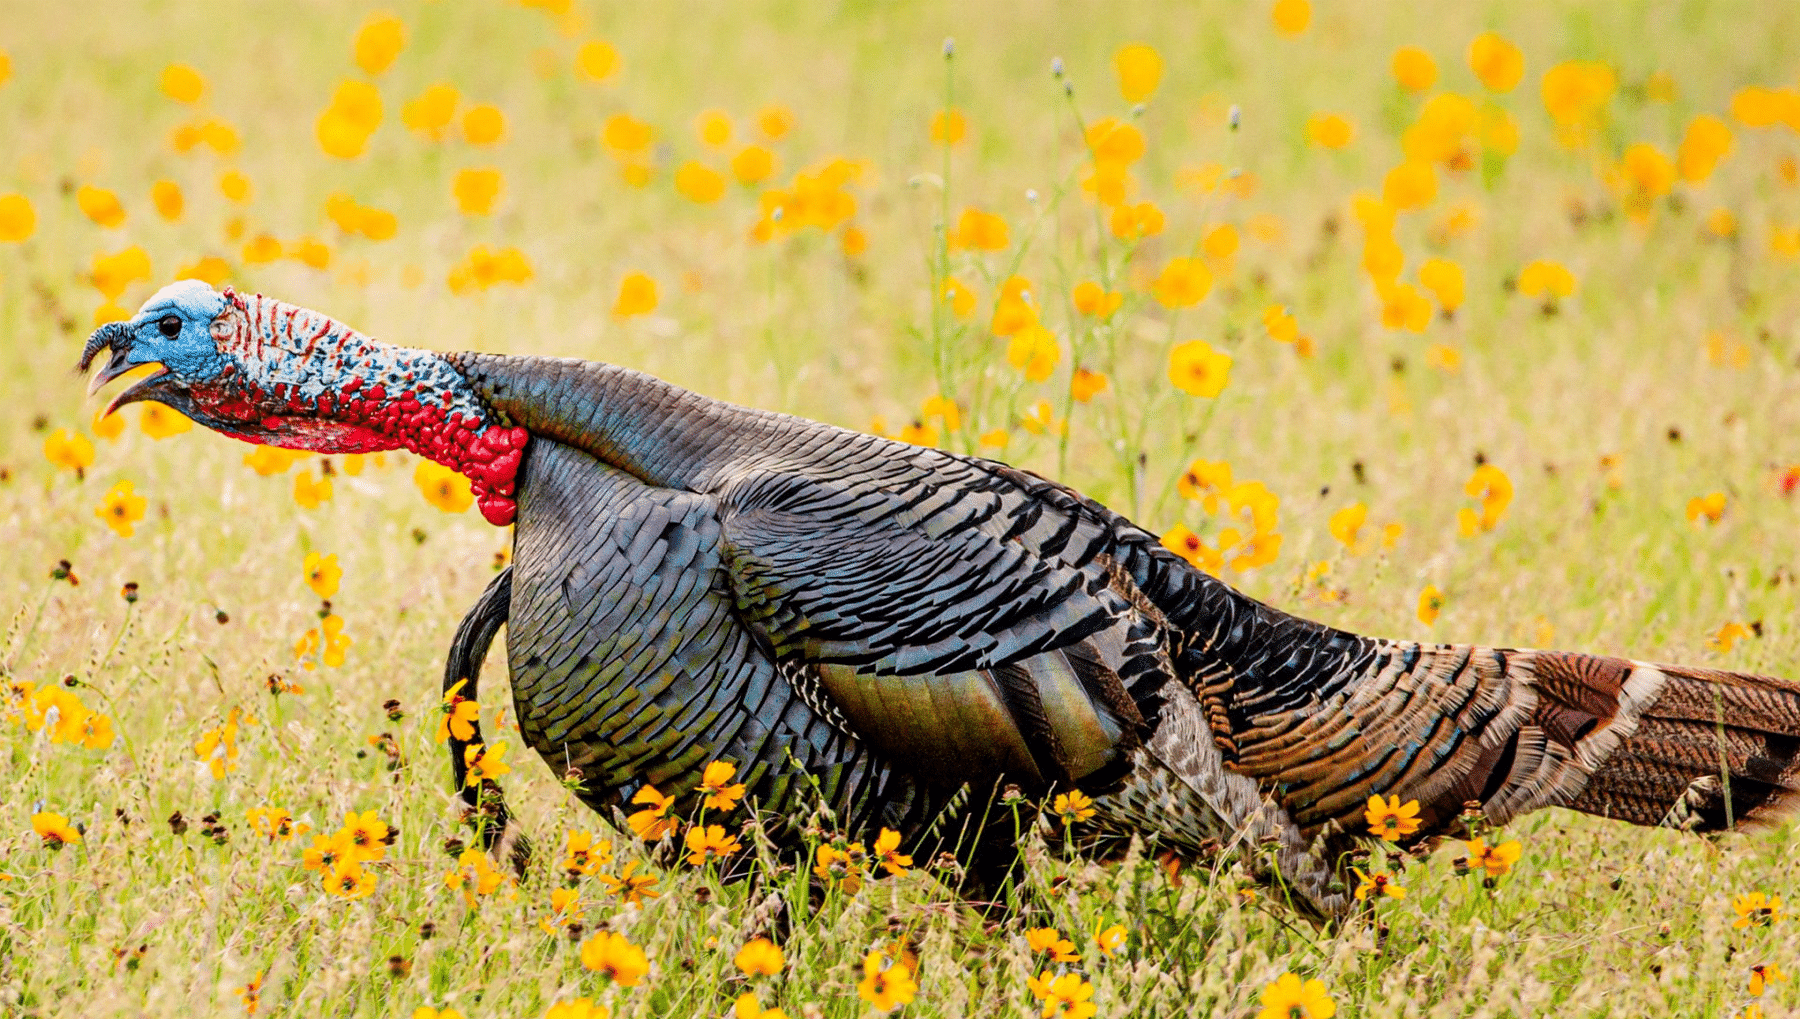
[(1512, 730), (1705, 749)]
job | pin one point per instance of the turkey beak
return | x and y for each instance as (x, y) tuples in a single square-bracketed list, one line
[(115, 366), (116, 336)]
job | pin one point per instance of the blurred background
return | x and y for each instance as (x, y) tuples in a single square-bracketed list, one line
[(1452, 322)]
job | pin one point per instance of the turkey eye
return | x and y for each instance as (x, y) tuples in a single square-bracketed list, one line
[(169, 326)]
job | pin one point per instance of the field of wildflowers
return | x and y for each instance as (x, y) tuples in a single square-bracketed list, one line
[(1450, 322)]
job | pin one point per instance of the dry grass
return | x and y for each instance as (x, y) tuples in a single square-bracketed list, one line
[(1596, 920)]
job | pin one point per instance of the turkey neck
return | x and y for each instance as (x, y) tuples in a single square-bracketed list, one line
[(660, 433), (305, 381)]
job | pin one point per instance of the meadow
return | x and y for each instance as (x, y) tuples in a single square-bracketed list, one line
[(1468, 322)]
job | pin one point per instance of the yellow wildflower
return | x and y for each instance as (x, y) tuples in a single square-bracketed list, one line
[(1442, 132), (1290, 998), (1140, 69), (261, 249), (1414, 69), (885, 986), (1431, 602), (443, 487), (322, 573), (184, 84), (1728, 634), (1065, 996), (485, 762), (1496, 61), (1377, 885), (17, 218), (431, 113), (623, 134), (840, 867), (699, 183), (274, 823), (652, 822), (949, 126), (614, 957), (596, 60), (1189, 546), (367, 834), (1444, 278), (1764, 975), (474, 875), (713, 783), (1710, 506), (1493, 489), (1034, 351), (753, 164), (1345, 523), (759, 956), (1014, 307), (1390, 820), (584, 855), (1183, 282), (1205, 480), (348, 880), (477, 190), (54, 829), (483, 124), (69, 451), (1073, 806), (1085, 384), (459, 714), (327, 851), (120, 508), (887, 851), (1410, 185), (1706, 142), (565, 903), (629, 887), (1331, 130), (705, 844), (637, 296), (1291, 16), (747, 1007), (1496, 860), (775, 122), (1756, 909), (1092, 299), (378, 42), (713, 127), (308, 492), (112, 273), (979, 230), (101, 206), (267, 460), (166, 196), (1198, 370), (324, 644), (235, 186), (1136, 222), (1576, 90), (579, 1008), (159, 421), (1049, 941), (354, 113)]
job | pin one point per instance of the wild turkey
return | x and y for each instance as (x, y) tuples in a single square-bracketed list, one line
[(902, 630)]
